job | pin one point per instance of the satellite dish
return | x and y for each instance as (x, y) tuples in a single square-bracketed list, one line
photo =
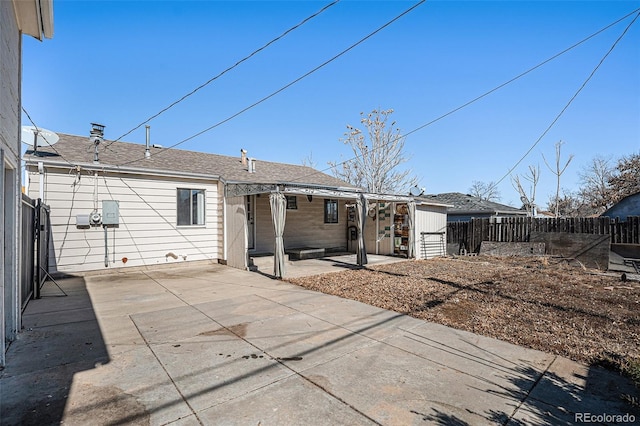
[(415, 191), (38, 137)]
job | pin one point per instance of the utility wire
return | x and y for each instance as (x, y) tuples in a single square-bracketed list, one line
[(492, 91), (570, 100), (436, 119), (283, 88), (522, 74), (295, 27)]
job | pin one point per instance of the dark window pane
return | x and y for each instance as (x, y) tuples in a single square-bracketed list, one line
[(198, 206), (330, 211), (184, 207), (292, 202)]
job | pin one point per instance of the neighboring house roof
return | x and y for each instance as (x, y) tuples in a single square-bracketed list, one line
[(544, 214), (467, 204), (628, 206), (78, 150)]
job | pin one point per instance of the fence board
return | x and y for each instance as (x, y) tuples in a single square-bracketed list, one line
[(517, 229)]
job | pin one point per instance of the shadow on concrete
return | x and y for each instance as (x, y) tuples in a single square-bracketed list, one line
[(60, 337), (225, 382), (563, 398)]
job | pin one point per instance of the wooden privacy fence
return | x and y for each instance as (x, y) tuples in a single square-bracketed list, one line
[(469, 235)]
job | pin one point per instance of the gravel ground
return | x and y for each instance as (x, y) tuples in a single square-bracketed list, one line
[(539, 302)]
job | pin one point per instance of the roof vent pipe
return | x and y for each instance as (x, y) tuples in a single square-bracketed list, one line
[(251, 165), (96, 136), (147, 153), (243, 157)]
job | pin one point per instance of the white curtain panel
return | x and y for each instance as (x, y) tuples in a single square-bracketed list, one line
[(362, 207), (278, 213), (412, 220)]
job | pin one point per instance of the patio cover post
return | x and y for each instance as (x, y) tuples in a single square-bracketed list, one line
[(362, 206), (411, 253), (278, 213)]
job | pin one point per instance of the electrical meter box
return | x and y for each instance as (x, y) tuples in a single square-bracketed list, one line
[(82, 221), (110, 213)]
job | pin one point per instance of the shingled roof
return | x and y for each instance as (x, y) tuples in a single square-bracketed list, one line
[(73, 150), (468, 204)]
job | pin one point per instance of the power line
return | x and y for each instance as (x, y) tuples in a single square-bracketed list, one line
[(434, 120), (494, 90), (570, 100), (522, 74), (295, 27), (283, 88)]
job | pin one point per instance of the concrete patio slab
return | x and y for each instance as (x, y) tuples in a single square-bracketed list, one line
[(360, 318), (207, 345), (311, 405), (244, 309)]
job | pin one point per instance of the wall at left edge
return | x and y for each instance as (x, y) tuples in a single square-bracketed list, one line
[(10, 60)]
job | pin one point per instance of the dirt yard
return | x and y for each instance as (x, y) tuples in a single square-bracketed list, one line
[(542, 303)]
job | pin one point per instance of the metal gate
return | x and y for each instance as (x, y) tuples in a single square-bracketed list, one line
[(43, 235), (34, 248)]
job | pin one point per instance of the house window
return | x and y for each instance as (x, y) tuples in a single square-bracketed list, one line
[(330, 211), (292, 202), (190, 207)]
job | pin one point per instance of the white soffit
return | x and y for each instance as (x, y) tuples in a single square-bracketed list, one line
[(35, 17)]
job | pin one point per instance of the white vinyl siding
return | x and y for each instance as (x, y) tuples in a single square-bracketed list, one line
[(147, 233), (433, 221), (10, 63)]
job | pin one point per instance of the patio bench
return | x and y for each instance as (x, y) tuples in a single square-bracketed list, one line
[(305, 253)]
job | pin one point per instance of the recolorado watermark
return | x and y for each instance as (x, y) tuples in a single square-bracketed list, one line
[(604, 418)]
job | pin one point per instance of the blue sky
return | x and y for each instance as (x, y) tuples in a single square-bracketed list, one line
[(119, 62)]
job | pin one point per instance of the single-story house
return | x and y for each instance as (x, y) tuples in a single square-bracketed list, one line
[(465, 207), (33, 18), (628, 206), (122, 204)]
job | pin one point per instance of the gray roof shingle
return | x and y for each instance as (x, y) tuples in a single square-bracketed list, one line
[(79, 150), (465, 203)]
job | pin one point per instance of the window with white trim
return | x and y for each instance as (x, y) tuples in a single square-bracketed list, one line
[(191, 209), (292, 202)]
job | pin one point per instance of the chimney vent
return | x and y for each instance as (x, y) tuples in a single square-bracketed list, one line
[(243, 156), (147, 153), (96, 136)]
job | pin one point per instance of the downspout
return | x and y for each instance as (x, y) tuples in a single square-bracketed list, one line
[(95, 192), (106, 247), (41, 172), (225, 237)]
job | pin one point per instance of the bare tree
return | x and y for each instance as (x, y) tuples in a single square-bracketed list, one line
[(570, 205), (485, 191), (309, 161), (378, 151), (528, 198), (595, 189), (625, 179), (558, 171)]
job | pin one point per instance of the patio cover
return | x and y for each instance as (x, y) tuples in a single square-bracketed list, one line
[(411, 253), (278, 203)]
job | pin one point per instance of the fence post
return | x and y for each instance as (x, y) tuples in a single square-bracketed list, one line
[(38, 276)]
